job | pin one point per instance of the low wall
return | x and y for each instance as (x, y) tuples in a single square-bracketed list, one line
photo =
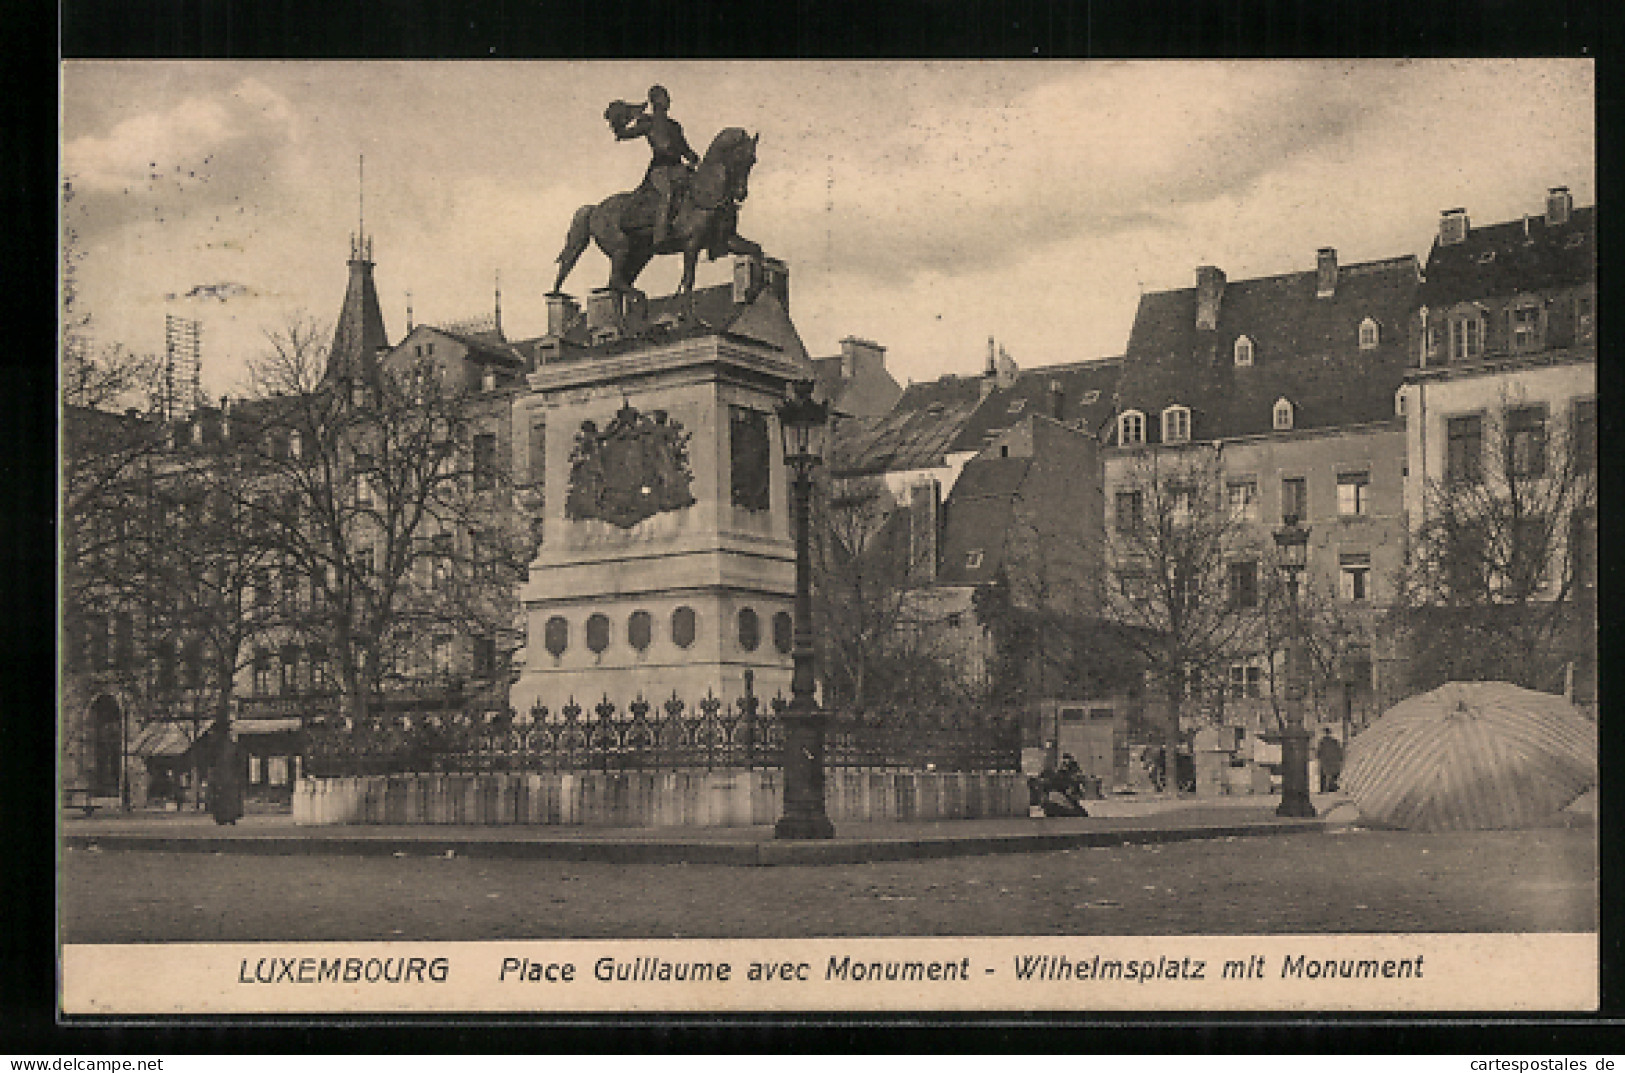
[(735, 798)]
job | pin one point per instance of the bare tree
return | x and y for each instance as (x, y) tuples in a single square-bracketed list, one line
[(868, 560), (373, 492), (1170, 546), (1500, 576)]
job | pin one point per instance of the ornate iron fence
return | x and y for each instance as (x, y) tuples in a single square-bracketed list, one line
[(671, 735)]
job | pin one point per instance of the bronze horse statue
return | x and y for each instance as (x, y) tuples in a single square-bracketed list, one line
[(705, 217)]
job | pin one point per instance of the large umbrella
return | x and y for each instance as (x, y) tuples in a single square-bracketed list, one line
[(1472, 756)]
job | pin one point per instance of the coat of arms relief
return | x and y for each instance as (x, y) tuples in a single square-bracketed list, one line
[(632, 469)]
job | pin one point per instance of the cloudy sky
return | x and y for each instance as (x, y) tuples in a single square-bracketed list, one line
[(924, 206)]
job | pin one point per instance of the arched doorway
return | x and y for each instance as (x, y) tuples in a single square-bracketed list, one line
[(106, 746)]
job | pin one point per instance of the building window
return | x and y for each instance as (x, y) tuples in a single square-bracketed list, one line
[(973, 559), (955, 620), (1523, 325), (1530, 546), (440, 655), (1242, 499), (1583, 547), (1243, 350), (1354, 493), (1017, 405), (485, 461), (1283, 415), (1467, 335), (287, 670), (1294, 499), (1180, 504), (1243, 587), (556, 636), (597, 633), (1584, 317), (1130, 512), (1246, 680), (1090, 397), (1176, 424), (750, 629), (1368, 334), (1526, 442), (1130, 427), (1464, 449), (1399, 403), (783, 632), (363, 490), (682, 627), (1354, 576), (485, 657), (639, 630), (1583, 438), (262, 671)]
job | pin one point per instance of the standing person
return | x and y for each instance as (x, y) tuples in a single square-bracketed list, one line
[(1330, 754), (668, 147)]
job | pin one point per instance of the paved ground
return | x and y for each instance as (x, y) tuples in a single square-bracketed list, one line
[(1338, 880)]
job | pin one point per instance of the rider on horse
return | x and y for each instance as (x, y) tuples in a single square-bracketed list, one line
[(670, 150)]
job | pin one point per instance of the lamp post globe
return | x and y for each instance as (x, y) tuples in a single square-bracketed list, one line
[(1292, 544), (804, 426)]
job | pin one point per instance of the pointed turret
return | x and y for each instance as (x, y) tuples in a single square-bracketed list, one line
[(360, 333)]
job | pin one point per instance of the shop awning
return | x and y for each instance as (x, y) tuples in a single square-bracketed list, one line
[(162, 739)]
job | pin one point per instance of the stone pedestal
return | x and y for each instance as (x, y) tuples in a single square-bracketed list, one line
[(688, 600)]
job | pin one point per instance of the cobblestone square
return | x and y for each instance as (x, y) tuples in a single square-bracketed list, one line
[(1342, 880)]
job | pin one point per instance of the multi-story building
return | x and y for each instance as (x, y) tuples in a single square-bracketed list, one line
[(1283, 389), (1500, 401)]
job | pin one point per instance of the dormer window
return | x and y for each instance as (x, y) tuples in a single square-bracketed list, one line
[(1283, 415), (1244, 350), (1176, 424), (1130, 427), (973, 559), (1524, 324), (1466, 333), (1368, 334)]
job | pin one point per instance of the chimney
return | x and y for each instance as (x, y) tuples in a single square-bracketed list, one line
[(562, 311), (1007, 369), (777, 279), (1209, 292), (1325, 272), (1559, 206), (1453, 227), (749, 276), (855, 352), (225, 417), (991, 372), (1057, 400)]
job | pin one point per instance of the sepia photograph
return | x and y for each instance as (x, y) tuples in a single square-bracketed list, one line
[(676, 536)]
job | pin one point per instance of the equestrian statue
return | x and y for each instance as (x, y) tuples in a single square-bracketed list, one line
[(676, 209)]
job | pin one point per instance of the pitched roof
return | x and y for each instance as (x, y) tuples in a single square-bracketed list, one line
[(1083, 388), (917, 434), (359, 334), (980, 513), (1515, 257), (1306, 349)]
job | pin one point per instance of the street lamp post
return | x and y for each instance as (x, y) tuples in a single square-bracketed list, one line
[(1292, 541), (804, 425)]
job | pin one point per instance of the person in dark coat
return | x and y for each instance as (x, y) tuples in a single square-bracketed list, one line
[(1330, 754)]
